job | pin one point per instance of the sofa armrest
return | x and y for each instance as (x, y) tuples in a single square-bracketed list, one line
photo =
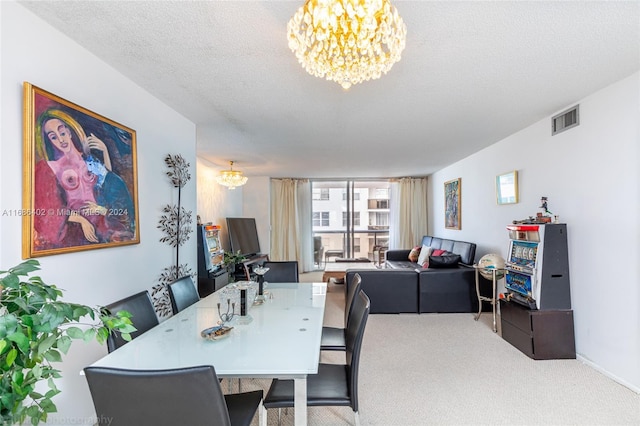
[(397, 254), (391, 291)]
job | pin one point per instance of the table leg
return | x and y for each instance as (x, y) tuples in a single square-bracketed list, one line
[(478, 294), (494, 300), (300, 401)]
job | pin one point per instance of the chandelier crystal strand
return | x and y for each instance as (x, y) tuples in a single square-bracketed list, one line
[(231, 178), (347, 41)]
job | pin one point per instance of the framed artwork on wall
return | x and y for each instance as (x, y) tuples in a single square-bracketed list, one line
[(452, 203), (507, 188), (80, 188)]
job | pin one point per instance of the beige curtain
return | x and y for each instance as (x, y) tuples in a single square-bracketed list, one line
[(289, 227), (408, 212)]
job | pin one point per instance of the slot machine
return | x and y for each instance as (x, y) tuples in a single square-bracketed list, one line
[(536, 315), (538, 266), (211, 274)]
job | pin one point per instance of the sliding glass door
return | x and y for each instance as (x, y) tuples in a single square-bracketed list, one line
[(350, 219)]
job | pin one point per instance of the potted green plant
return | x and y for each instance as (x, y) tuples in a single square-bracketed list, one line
[(36, 329), (231, 262)]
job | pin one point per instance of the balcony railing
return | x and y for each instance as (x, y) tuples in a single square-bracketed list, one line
[(371, 242)]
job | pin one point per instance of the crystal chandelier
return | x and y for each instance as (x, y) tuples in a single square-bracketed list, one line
[(347, 41), (231, 178)]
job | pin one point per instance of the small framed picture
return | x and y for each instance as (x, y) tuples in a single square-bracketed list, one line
[(507, 188), (452, 204)]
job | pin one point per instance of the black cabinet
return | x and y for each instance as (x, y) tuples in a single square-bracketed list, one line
[(539, 334), (211, 282)]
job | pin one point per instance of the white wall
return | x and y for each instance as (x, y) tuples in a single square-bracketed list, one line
[(590, 175), (216, 202), (44, 57)]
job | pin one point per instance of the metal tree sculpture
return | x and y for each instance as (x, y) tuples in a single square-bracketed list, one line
[(175, 223)]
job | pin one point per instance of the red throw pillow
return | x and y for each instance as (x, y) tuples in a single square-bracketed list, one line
[(437, 252), (414, 254)]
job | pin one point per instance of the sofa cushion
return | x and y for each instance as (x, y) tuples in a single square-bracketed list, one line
[(425, 252), (442, 262), (438, 252), (467, 251), (436, 242), (426, 241), (400, 264), (414, 254)]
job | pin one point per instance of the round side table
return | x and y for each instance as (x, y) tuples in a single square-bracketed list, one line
[(494, 295)]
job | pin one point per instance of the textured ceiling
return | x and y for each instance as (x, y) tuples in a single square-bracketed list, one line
[(472, 73)]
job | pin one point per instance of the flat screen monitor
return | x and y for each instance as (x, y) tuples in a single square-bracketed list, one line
[(243, 235)]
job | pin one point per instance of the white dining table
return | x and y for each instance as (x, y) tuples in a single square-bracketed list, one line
[(282, 340)]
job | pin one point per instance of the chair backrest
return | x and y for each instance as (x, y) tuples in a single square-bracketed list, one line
[(182, 293), (282, 271), (183, 396), (354, 337), (354, 288), (143, 317)]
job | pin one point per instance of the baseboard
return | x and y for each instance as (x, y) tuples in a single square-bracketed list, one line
[(613, 377)]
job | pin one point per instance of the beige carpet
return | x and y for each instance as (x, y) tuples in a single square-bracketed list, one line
[(447, 369)]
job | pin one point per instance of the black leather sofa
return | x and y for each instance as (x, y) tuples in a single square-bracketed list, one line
[(405, 287)]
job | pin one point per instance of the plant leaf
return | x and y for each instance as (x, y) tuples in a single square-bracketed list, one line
[(25, 267), (10, 281), (48, 406), (75, 333), (46, 344), (36, 395), (53, 356), (21, 340), (11, 357), (37, 371), (64, 343), (89, 335)]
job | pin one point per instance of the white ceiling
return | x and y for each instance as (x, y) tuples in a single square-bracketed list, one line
[(472, 73)]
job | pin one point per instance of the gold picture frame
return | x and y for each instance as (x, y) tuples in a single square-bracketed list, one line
[(507, 188), (80, 188), (453, 204)]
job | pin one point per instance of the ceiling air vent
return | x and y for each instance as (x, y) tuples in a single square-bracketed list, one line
[(565, 120)]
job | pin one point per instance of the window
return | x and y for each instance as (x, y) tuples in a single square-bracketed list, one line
[(379, 219), (320, 193), (356, 219), (381, 193), (343, 214), (356, 196), (320, 219), (356, 245)]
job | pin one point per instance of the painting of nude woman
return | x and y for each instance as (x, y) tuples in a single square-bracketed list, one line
[(80, 181)]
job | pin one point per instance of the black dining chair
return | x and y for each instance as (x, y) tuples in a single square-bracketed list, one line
[(334, 338), (182, 396), (182, 293), (284, 271), (143, 317), (334, 384)]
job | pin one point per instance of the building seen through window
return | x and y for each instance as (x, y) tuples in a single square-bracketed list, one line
[(351, 216)]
